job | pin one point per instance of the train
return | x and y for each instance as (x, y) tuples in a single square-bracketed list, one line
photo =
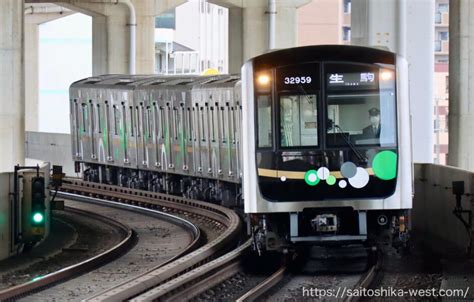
[(313, 143)]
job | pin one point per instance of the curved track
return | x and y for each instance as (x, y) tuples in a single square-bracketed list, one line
[(123, 246), (226, 221)]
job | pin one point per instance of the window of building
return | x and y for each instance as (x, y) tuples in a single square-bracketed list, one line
[(347, 6), (436, 125), (442, 8), (346, 33), (437, 45), (443, 35), (442, 59)]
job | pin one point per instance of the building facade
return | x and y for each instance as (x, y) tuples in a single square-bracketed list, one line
[(184, 47)]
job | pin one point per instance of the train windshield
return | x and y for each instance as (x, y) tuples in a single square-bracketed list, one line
[(360, 106), (298, 120), (334, 131)]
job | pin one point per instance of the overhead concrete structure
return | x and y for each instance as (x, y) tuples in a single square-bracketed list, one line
[(404, 27), (36, 14), (461, 84), (12, 101), (249, 27), (115, 37)]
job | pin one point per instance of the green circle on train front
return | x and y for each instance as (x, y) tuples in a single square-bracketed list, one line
[(311, 177), (385, 165), (331, 180)]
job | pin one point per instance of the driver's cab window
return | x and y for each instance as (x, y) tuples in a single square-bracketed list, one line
[(360, 105), (298, 120)]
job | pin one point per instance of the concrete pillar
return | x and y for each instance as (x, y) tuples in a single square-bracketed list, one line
[(100, 63), (407, 28), (31, 75), (236, 56), (461, 84), (145, 11), (12, 100), (110, 35), (248, 28)]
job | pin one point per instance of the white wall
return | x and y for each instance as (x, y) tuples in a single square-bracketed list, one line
[(65, 56), (203, 27)]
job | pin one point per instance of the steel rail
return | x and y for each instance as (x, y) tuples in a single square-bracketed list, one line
[(367, 279), (264, 286), (228, 221), (197, 278), (65, 273)]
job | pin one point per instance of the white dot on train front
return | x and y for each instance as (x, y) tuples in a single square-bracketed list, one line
[(342, 184), (323, 173), (312, 177), (360, 179), (283, 178)]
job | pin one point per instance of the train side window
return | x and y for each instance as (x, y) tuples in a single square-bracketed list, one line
[(92, 116), (224, 128), (148, 120), (201, 119), (169, 122), (76, 114), (99, 119), (230, 113), (175, 123), (116, 120), (124, 118), (190, 131), (107, 118), (264, 122), (137, 112), (155, 117), (132, 122), (162, 122), (195, 116), (84, 117), (213, 126), (183, 120)]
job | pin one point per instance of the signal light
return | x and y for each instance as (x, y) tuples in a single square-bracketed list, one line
[(37, 201), (38, 218)]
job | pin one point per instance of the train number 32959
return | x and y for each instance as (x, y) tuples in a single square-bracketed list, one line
[(297, 80)]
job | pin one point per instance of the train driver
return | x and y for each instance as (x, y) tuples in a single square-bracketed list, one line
[(373, 130)]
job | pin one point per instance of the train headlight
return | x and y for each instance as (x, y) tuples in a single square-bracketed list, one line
[(263, 79), (386, 75)]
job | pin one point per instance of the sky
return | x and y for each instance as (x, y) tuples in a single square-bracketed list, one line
[(65, 56)]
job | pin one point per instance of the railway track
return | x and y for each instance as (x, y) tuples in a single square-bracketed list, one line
[(166, 279), (366, 280), (110, 254)]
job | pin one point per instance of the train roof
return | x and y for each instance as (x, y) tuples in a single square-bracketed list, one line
[(132, 82), (298, 55)]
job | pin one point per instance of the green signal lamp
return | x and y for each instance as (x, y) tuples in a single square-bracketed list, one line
[(38, 218)]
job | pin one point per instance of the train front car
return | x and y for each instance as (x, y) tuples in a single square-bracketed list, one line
[(326, 147)]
